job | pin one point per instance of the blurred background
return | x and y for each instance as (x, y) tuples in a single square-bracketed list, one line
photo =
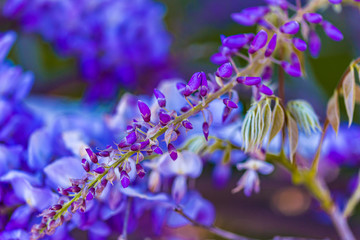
[(88, 55)]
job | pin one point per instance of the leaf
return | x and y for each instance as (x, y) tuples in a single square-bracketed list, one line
[(333, 113), (277, 121), (293, 135), (348, 86)]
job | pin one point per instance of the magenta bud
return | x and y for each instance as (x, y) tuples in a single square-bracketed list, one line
[(187, 125), (265, 90), (299, 44), (235, 41), (144, 144), (332, 32), (56, 207), (204, 88), (172, 152), (271, 46), (92, 155), (240, 79), (140, 171), (124, 179), (183, 89), (85, 164), (62, 191), (99, 170), (291, 69), (135, 147), (195, 81), (144, 111), (104, 153), (258, 42), (156, 149), (160, 97), (225, 70), (205, 128), (164, 118), (91, 194), (250, 81), (313, 17), (230, 104), (131, 138), (290, 27), (218, 59)]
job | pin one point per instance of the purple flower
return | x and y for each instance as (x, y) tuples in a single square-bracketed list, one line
[(258, 42), (204, 88), (230, 104), (160, 98), (250, 16), (235, 41), (218, 58), (195, 81), (156, 149), (225, 70), (313, 17), (332, 32), (164, 118), (187, 125), (99, 170), (85, 165), (144, 111), (92, 155), (290, 27), (250, 179), (265, 90), (314, 44), (250, 81), (299, 44), (124, 179), (271, 46), (205, 128), (172, 152)]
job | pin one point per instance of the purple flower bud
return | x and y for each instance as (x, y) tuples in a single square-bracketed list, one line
[(187, 125), (104, 153), (99, 170), (218, 58), (240, 79), (271, 46), (267, 73), (314, 44), (144, 110), (74, 189), (144, 144), (135, 147), (226, 114), (85, 164), (131, 138), (250, 81), (195, 81), (183, 89), (56, 207), (335, 1), (204, 88), (299, 44), (185, 108), (124, 179), (62, 191), (92, 155), (156, 149), (290, 27), (91, 194), (249, 16), (291, 69), (164, 118), (230, 104), (236, 41), (332, 32), (225, 70), (258, 42), (280, 3), (140, 171), (160, 98), (172, 152), (265, 90), (205, 128), (123, 143), (313, 17)]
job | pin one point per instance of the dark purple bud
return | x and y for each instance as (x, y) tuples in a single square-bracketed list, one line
[(104, 153), (267, 73), (172, 152), (225, 114), (295, 61), (249, 16), (56, 207), (85, 164), (314, 44), (185, 108), (92, 155), (271, 46), (291, 69), (235, 41), (144, 144), (187, 125), (62, 191), (123, 143), (265, 90), (313, 17), (91, 194), (230, 104), (135, 147), (335, 1), (258, 42), (183, 89), (164, 118), (240, 79), (160, 98), (218, 59), (290, 27), (195, 81), (225, 70), (299, 44), (124, 179), (131, 138), (144, 110), (204, 88), (140, 171), (74, 189), (205, 128), (99, 170), (332, 32), (156, 149), (250, 81)]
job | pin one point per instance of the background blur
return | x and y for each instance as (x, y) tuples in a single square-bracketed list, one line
[(195, 28)]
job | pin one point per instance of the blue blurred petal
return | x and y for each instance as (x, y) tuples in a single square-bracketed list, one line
[(40, 149)]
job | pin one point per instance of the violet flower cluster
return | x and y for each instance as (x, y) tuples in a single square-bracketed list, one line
[(62, 169), (115, 42)]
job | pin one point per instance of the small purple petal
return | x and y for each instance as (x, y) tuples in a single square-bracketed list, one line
[(225, 70), (313, 17), (205, 128), (131, 138), (259, 42), (204, 88), (156, 149), (271, 46), (226, 113), (218, 59), (267, 73), (249, 16), (140, 170), (99, 170), (332, 32), (314, 44), (291, 69), (229, 103), (195, 81), (187, 125), (91, 194), (92, 155), (85, 165), (265, 90), (290, 27), (160, 98), (299, 44), (124, 179), (164, 118), (172, 152), (144, 144), (236, 41), (144, 110), (135, 147), (250, 81)]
